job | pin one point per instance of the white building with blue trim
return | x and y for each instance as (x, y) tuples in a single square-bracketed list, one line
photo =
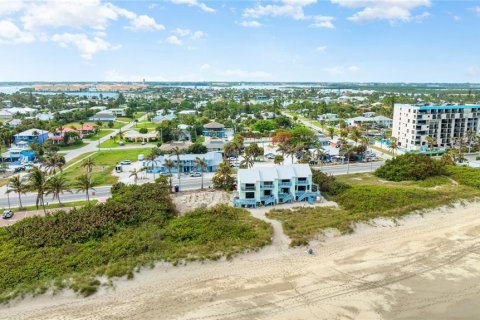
[(187, 163), (272, 185)]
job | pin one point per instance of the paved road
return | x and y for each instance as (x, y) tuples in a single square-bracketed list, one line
[(93, 145), (186, 183)]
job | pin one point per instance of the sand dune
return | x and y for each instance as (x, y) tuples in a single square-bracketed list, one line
[(422, 267)]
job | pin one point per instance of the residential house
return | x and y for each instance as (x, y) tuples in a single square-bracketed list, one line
[(160, 117), (215, 144), (272, 185), (119, 112), (44, 116), (187, 163), (19, 153), (5, 115), (136, 136), (215, 130), (32, 135), (104, 116)]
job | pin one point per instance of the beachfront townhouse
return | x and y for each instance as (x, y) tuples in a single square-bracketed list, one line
[(187, 163), (32, 135), (214, 130), (272, 185)]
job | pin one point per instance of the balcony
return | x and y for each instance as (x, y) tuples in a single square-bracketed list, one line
[(268, 186), (248, 188), (285, 197), (302, 183), (244, 203), (286, 184), (268, 200)]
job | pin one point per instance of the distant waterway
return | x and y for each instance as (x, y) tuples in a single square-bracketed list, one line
[(88, 94), (10, 89)]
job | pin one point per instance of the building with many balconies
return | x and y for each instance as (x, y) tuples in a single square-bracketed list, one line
[(273, 185), (412, 124)]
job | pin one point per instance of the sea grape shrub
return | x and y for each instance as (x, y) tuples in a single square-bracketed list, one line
[(411, 167), (129, 206), (328, 184)]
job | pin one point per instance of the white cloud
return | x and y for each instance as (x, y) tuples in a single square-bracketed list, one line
[(321, 49), (174, 40), (476, 9), (419, 18), (10, 6), (144, 23), (240, 74), (288, 8), (194, 35), (194, 3), (82, 14), (457, 18), (205, 67), (391, 10), (474, 71), (10, 33), (341, 70), (87, 47), (250, 24), (197, 35), (323, 22)]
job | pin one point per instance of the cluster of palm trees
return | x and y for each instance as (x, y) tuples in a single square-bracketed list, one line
[(48, 179)]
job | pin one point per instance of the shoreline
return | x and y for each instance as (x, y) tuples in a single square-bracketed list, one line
[(367, 274)]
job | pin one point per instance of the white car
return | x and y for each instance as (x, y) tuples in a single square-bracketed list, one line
[(7, 214), (126, 162), (195, 174)]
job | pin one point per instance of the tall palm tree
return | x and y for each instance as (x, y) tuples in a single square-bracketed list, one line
[(202, 165), (394, 145), (169, 164), (331, 132), (37, 182), (53, 162), (56, 186), (177, 151), (152, 158), (88, 164), (431, 141), (17, 184), (470, 139), (286, 150), (134, 173), (85, 183)]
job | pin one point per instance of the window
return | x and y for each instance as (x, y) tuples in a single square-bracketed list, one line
[(250, 195)]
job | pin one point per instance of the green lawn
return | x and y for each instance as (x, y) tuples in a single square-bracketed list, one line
[(80, 157), (101, 133), (105, 162), (112, 143), (370, 197), (124, 119), (71, 147), (148, 125), (138, 114), (57, 205), (3, 181)]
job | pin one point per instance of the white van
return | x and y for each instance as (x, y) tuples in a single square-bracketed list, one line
[(141, 157)]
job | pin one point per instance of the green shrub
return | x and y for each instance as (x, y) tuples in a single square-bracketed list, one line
[(328, 184), (465, 175), (143, 130), (410, 167)]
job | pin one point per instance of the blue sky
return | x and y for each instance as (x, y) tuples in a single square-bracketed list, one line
[(282, 40)]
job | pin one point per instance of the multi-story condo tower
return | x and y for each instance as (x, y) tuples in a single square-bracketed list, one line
[(446, 124)]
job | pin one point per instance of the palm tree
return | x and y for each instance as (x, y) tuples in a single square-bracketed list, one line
[(53, 162), (286, 150), (177, 151), (85, 183), (278, 159), (88, 164), (134, 173), (470, 139), (202, 165), (37, 182), (331, 132), (248, 160), (152, 158), (355, 135), (393, 145), (223, 178), (169, 164), (17, 185), (430, 141), (56, 186)]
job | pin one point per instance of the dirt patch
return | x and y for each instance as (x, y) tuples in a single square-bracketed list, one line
[(190, 200)]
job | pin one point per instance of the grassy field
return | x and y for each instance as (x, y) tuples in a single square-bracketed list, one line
[(105, 162), (101, 133), (3, 182), (138, 114), (370, 197), (80, 157), (148, 125), (136, 228)]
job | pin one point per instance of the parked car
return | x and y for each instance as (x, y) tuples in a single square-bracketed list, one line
[(195, 174), (270, 156), (7, 214), (126, 162), (143, 143)]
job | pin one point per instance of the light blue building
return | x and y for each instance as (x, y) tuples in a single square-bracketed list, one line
[(187, 163), (32, 135), (273, 185), (214, 130), (19, 153)]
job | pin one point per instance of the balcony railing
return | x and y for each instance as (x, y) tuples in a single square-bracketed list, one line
[(285, 183), (266, 187), (248, 188), (244, 202), (302, 183)]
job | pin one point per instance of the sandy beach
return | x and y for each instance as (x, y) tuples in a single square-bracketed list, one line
[(421, 267)]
